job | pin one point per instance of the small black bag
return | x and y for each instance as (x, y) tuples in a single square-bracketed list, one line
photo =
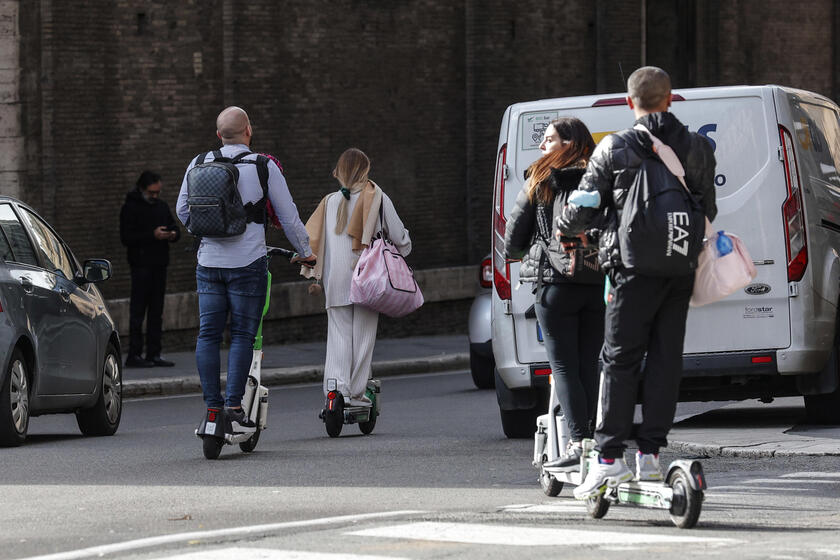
[(216, 208)]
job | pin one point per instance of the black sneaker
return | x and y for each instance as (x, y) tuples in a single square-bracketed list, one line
[(137, 361), (157, 361), (570, 460), (237, 416)]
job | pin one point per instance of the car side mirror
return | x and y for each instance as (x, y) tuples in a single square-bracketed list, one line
[(95, 270)]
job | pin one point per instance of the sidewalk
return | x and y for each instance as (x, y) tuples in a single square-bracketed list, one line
[(304, 363)]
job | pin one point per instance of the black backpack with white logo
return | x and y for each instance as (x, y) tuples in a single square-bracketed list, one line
[(216, 208), (662, 225)]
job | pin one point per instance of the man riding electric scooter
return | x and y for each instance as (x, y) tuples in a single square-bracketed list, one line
[(223, 202), (650, 268)]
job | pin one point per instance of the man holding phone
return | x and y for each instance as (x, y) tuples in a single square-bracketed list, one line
[(147, 227)]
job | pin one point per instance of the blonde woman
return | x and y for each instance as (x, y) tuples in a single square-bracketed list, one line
[(340, 228)]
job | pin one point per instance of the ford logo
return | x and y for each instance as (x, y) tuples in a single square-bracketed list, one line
[(757, 289)]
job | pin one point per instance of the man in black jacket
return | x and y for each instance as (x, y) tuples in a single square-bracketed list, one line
[(646, 314), (146, 229)]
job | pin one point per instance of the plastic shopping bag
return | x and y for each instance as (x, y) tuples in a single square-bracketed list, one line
[(723, 268)]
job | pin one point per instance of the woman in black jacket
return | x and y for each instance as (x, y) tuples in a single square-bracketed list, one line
[(569, 286)]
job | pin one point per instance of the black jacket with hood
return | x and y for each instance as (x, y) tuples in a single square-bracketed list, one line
[(528, 235), (138, 221), (614, 166)]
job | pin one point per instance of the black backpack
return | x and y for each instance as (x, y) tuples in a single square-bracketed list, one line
[(662, 225), (216, 208)]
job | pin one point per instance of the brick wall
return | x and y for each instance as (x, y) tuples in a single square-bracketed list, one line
[(109, 88)]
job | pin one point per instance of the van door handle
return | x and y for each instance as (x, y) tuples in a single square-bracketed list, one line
[(26, 282)]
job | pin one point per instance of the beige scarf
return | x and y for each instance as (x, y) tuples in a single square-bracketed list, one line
[(360, 226)]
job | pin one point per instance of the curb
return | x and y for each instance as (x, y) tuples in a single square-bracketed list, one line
[(165, 386), (742, 452)]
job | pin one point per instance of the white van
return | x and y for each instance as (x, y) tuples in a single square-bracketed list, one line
[(778, 188)]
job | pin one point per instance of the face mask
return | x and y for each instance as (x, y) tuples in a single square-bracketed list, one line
[(149, 199)]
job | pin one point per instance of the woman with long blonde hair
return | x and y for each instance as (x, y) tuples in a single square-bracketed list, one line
[(568, 285), (344, 224)]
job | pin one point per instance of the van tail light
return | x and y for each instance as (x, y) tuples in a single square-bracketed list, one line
[(501, 267), (485, 273), (793, 212)]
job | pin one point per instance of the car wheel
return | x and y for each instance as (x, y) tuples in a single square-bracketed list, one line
[(482, 369), (14, 402), (519, 424), (103, 418)]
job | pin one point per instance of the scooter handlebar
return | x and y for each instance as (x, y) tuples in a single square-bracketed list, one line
[(287, 254)]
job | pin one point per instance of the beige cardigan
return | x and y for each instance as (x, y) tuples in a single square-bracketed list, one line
[(360, 226)]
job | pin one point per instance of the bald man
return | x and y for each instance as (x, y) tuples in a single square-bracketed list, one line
[(645, 314), (232, 271)]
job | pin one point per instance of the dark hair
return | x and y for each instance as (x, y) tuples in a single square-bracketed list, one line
[(147, 178), (576, 153)]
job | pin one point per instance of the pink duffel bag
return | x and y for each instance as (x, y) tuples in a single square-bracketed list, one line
[(719, 276), (384, 282)]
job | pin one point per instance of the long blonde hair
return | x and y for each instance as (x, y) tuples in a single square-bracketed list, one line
[(577, 148), (352, 173)]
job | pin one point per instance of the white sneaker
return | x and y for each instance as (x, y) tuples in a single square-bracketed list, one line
[(647, 467), (600, 476), (360, 401)]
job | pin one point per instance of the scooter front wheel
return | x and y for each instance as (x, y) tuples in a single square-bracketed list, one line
[(251, 443), (686, 503), (212, 446), (597, 506), (550, 485)]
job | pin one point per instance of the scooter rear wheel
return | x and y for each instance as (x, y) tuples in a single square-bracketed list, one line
[(212, 446), (687, 502), (597, 506), (367, 427), (550, 485), (251, 443)]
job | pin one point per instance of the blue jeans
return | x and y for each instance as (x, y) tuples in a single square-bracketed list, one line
[(240, 292)]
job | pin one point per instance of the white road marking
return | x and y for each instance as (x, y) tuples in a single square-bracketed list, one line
[(789, 481), (269, 554), (559, 507), (812, 475), (473, 533), (214, 535)]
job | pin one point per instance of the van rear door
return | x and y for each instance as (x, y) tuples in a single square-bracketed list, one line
[(750, 183), (741, 124)]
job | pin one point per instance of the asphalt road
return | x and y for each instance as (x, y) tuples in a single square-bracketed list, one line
[(436, 479)]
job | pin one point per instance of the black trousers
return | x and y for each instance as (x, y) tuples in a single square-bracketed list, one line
[(646, 316), (572, 320), (148, 286)]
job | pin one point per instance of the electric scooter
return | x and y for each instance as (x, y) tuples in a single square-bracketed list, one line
[(681, 492), (337, 412), (216, 429)]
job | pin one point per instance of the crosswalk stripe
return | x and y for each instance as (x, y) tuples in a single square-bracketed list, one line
[(812, 475), (473, 533), (271, 554), (789, 481), (559, 507)]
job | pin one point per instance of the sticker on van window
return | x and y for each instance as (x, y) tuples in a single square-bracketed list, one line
[(758, 312), (533, 128)]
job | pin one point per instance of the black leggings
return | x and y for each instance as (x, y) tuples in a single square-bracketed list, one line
[(572, 320)]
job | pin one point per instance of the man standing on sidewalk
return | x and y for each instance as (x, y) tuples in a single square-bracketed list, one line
[(146, 229), (232, 270), (646, 313)]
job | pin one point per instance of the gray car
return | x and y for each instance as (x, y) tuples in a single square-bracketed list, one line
[(59, 348)]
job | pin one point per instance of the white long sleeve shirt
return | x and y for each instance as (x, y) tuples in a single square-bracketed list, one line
[(239, 251), (339, 258)]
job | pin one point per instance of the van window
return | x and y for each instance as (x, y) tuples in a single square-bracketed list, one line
[(818, 132), (21, 249)]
